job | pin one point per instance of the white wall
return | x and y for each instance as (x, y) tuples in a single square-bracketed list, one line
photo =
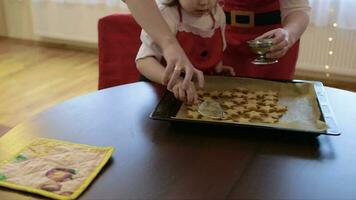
[(18, 22), (69, 21), (2, 20), (18, 19), (316, 47)]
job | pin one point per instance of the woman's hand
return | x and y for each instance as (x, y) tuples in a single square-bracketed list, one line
[(281, 42), (188, 94), (178, 63), (147, 14)]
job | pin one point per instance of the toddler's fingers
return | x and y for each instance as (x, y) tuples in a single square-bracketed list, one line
[(200, 77), (175, 76), (191, 95), (182, 95), (167, 73), (218, 69), (189, 72), (175, 92), (232, 71)]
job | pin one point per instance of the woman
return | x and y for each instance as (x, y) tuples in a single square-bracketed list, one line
[(283, 20)]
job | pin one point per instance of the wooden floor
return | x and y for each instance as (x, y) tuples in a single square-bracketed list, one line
[(35, 77)]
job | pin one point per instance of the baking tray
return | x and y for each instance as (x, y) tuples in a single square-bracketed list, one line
[(168, 107)]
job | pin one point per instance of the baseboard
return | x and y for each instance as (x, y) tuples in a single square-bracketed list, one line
[(323, 76), (54, 43), (334, 80)]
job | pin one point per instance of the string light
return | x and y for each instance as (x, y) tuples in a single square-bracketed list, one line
[(330, 39)]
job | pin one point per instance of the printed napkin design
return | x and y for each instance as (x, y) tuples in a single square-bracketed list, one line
[(54, 168)]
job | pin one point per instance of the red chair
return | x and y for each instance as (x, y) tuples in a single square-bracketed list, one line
[(119, 41)]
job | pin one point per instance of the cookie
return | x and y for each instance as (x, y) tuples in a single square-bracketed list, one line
[(281, 108), (251, 105), (238, 94), (260, 94), (229, 112), (272, 93), (275, 115), (241, 89), (239, 100), (202, 93), (269, 120), (193, 107), (206, 98), (214, 94), (227, 104), (239, 109), (269, 103), (242, 106), (271, 98), (251, 96), (266, 109), (226, 93), (254, 115), (194, 114)]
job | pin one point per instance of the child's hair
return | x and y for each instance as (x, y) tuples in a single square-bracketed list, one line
[(170, 2)]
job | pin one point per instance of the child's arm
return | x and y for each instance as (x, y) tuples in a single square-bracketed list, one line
[(151, 69), (224, 70), (220, 68)]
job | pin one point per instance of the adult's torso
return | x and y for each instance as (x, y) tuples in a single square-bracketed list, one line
[(238, 54)]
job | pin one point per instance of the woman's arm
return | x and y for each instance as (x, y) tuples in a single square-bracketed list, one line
[(148, 16), (295, 19), (295, 23)]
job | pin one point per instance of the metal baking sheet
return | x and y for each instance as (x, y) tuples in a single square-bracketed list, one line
[(168, 106)]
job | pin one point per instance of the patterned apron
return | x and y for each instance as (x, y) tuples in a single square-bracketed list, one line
[(238, 54)]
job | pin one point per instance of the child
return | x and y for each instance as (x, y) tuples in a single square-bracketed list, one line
[(199, 28)]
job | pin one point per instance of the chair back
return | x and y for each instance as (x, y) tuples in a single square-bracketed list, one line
[(118, 43)]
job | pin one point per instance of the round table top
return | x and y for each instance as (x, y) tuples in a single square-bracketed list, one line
[(157, 159)]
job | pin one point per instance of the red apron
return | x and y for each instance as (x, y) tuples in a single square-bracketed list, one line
[(203, 52), (238, 54)]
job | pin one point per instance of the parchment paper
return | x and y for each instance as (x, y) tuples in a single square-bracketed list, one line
[(300, 98)]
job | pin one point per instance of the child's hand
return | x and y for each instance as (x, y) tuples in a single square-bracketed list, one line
[(188, 95), (224, 70)]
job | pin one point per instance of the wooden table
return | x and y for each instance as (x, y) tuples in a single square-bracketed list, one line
[(159, 160)]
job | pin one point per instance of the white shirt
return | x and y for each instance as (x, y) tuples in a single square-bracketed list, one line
[(170, 14), (289, 6), (201, 26)]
